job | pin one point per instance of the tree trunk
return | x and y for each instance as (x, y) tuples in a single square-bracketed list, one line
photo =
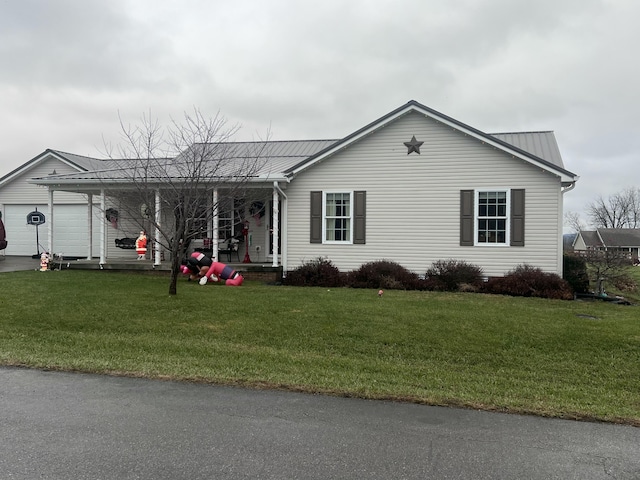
[(175, 271)]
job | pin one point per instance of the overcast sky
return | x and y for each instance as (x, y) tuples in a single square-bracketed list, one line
[(312, 70)]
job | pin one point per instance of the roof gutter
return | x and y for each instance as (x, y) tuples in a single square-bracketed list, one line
[(569, 187)]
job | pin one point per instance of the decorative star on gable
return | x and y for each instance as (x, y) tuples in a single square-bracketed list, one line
[(413, 146)]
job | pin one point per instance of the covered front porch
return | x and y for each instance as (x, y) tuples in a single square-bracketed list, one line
[(243, 232)]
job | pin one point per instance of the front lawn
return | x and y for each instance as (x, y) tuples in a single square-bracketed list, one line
[(557, 358)]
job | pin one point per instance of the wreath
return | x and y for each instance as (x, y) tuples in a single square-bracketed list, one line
[(257, 211), (112, 217)]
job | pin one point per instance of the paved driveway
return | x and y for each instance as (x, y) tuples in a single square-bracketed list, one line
[(13, 264), (76, 426)]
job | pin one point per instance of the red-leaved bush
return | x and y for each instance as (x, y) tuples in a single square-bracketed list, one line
[(528, 281)]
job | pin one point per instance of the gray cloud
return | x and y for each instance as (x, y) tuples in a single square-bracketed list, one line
[(323, 70)]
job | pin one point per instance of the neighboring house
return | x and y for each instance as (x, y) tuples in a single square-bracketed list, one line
[(625, 240), (414, 186)]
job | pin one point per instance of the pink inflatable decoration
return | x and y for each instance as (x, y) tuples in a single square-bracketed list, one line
[(202, 267)]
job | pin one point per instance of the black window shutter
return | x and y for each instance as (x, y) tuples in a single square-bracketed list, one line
[(466, 218), (359, 217), (316, 218), (517, 218)]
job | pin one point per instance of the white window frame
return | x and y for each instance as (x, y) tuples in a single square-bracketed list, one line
[(507, 217), (325, 219)]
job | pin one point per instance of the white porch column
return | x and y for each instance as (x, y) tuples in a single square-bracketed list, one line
[(158, 258), (103, 228), (216, 232), (50, 232), (274, 224), (90, 226), (284, 223)]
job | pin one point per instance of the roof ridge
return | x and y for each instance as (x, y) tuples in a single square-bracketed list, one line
[(273, 141), (529, 131), (78, 155)]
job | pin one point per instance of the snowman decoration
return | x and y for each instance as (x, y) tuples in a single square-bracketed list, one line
[(44, 262)]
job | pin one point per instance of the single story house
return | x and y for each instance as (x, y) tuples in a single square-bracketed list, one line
[(625, 240), (414, 186)]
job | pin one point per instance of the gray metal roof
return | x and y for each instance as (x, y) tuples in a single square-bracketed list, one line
[(540, 144), (81, 161), (77, 161), (273, 157), (282, 159), (277, 155)]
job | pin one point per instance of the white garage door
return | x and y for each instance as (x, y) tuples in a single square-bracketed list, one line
[(69, 230)]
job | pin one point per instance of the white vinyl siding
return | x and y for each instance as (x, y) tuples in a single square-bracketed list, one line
[(18, 191), (413, 201)]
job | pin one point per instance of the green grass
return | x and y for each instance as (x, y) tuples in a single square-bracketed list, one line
[(554, 358)]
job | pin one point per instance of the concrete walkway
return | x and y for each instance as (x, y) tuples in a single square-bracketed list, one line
[(76, 426)]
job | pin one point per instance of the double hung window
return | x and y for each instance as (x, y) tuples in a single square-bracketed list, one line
[(492, 216), (337, 217)]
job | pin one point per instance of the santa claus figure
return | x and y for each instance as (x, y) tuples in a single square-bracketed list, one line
[(141, 246)]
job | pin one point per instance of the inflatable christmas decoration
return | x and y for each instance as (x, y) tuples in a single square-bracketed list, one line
[(44, 262), (202, 268), (3, 235)]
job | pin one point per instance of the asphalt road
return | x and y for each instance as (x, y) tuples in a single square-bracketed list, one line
[(75, 426)]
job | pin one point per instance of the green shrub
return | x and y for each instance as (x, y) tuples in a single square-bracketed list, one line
[(453, 275), (528, 281), (384, 274), (574, 271), (316, 273)]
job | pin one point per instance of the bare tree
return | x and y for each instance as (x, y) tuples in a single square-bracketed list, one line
[(620, 210), (606, 266), (573, 220), (167, 175)]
